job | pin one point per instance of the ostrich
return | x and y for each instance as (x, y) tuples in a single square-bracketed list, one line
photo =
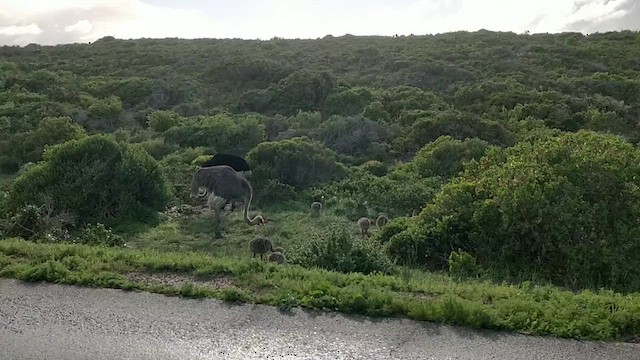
[(219, 185), (278, 249), (364, 224), (315, 208), (277, 257), (238, 164), (382, 220), (260, 245)]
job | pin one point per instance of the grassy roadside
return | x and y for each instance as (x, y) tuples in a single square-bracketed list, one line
[(525, 309)]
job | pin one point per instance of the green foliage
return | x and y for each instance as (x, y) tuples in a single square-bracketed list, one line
[(42, 223), (337, 250), (396, 194), (358, 137), (526, 308), (95, 178), (162, 120), (375, 167), (445, 156), (98, 234), (562, 209), (220, 132), (297, 162), (348, 102), (458, 125), (108, 108), (462, 264)]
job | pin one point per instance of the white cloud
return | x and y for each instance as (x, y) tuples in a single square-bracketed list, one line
[(12, 30), (64, 21), (82, 26)]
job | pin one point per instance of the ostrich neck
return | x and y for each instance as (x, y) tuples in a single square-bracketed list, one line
[(247, 203)]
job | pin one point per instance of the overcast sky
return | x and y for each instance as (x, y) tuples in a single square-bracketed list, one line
[(67, 21)]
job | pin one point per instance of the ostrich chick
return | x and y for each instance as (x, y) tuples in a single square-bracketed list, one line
[(364, 224), (315, 208), (277, 257), (382, 220), (260, 245)]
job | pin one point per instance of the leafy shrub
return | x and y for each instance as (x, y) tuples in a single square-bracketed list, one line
[(297, 162), (562, 209), (358, 137), (38, 222), (157, 148), (375, 167), (98, 234), (220, 132), (462, 264), (337, 250), (95, 178), (395, 226), (162, 120), (396, 194), (445, 156)]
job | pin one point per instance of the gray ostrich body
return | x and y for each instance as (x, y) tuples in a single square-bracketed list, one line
[(315, 208), (221, 185), (260, 245), (382, 220), (277, 257), (364, 224)]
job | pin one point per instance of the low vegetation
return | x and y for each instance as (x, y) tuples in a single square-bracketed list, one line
[(524, 308)]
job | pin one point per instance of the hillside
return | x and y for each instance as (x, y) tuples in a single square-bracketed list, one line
[(498, 158)]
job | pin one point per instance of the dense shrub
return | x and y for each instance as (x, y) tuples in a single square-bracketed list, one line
[(563, 209), (445, 156), (363, 193), (358, 137), (98, 234), (297, 162), (162, 120), (338, 250), (95, 178), (42, 222), (220, 132)]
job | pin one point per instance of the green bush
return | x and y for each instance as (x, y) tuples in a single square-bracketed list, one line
[(98, 234), (162, 120), (297, 162), (563, 209), (338, 250), (95, 178), (445, 156), (42, 222), (396, 194), (462, 264)]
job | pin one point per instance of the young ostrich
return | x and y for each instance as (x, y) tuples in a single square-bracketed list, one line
[(315, 208), (219, 185), (260, 245), (277, 257), (364, 224), (381, 221)]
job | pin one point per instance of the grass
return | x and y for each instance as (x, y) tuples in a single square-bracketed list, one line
[(286, 228), (524, 308)]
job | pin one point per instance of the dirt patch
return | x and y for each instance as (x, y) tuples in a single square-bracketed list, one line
[(179, 280)]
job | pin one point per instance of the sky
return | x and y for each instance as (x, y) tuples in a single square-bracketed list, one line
[(50, 22)]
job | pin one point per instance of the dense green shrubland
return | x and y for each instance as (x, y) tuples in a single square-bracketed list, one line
[(519, 150)]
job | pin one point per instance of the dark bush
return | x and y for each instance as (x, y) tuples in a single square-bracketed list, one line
[(338, 250), (95, 178), (297, 162), (563, 209)]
